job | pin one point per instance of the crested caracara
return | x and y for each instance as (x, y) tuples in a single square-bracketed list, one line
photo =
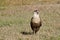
[(35, 22)]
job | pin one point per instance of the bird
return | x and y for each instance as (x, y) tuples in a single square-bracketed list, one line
[(35, 22)]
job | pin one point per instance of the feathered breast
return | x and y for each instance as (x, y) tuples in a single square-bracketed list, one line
[(35, 25), (35, 20)]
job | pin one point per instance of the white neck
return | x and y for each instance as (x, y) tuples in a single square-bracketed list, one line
[(36, 15)]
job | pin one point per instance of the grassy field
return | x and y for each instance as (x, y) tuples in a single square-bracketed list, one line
[(15, 19), (27, 2)]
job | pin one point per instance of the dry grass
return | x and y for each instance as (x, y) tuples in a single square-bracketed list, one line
[(16, 19), (27, 2)]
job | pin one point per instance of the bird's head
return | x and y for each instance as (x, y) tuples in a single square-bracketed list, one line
[(36, 12)]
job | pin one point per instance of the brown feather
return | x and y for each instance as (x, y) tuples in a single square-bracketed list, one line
[(35, 26)]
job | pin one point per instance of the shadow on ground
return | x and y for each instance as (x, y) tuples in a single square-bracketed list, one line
[(27, 33)]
